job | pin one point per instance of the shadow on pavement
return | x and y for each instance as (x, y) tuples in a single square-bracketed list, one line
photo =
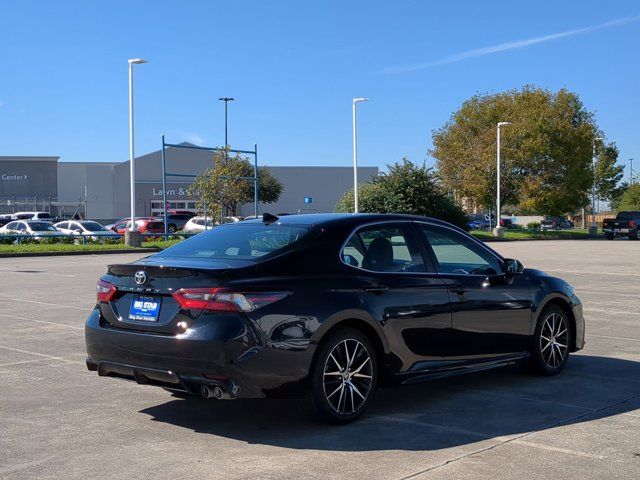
[(428, 416)]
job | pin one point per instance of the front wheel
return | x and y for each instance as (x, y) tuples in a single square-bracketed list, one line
[(552, 337), (343, 377)]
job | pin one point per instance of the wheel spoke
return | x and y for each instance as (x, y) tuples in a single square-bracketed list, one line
[(546, 346), (347, 388)]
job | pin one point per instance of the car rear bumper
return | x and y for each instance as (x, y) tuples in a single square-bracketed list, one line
[(233, 357)]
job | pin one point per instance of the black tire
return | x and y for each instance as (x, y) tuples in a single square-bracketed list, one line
[(634, 235), (551, 341), (172, 228), (333, 396), (609, 236)]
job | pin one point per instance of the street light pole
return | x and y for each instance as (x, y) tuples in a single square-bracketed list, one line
[(355, 153), (498, 230), (132, 168), (593, 230), (226, 100)]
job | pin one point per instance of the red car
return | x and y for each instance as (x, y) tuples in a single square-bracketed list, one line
[(143, 225)]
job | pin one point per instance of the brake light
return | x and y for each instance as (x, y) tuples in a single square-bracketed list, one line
[(105, 291), (221, 300), (632, 223)]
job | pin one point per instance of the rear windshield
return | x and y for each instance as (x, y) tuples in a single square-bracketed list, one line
[(241, 242), (93, 226), (42, 227)]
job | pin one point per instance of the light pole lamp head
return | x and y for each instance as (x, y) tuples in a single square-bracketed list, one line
[(356, 100), (137, 61), (502, 124), (226, 99)]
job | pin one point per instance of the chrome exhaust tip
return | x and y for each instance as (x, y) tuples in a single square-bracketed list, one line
[(206, 391), (218, 393)]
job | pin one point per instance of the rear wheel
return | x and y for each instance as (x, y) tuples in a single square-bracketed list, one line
[(552, 337), (172, 228), (343, 377), (635, 235)]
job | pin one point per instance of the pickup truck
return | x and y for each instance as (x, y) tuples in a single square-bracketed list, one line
[(625, 223)]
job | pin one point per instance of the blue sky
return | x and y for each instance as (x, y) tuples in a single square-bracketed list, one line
[(294, 68)]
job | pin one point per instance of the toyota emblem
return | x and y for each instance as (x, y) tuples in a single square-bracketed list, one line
[(140, 277)]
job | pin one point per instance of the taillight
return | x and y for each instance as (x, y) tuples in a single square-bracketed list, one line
[(105, 291), (632, 223), (221, 300)]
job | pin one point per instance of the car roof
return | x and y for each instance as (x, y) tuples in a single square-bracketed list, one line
[(321, 219)]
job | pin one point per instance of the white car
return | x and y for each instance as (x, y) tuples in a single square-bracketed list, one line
[(198, 224), (85, 228), (34, 228), (44, 216)]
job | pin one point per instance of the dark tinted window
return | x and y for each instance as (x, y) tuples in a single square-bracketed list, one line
[(245, 242), (383, 248), (93, 226), (41, 227), (456, 253)]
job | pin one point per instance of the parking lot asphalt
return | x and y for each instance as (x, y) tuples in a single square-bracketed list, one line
[(59, 421)]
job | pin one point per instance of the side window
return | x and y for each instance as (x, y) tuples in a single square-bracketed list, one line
[(455, 253), (12, 225), (383, 248), (21, 227)]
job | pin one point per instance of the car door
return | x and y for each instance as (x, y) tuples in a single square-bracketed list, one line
[(401, 292), (491, 312)]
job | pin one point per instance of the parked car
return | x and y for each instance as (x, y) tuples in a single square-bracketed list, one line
[(122, 223), (183, 212), (229, 220), (625, 223), (85, 228), (5, 218), (43, 216), (34, 228), (143, 225), (478, 221), (328, 306), (198, 224), (555, 223), (175, 221)]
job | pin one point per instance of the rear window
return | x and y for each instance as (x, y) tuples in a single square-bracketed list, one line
[(93, 226), (41, 227), (242, 242)]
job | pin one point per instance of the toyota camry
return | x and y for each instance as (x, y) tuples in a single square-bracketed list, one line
[(328, 307)]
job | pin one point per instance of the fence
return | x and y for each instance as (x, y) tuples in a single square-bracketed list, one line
[(50, 205)]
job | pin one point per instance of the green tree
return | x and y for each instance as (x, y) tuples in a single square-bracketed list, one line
[(406, 188), (616, 196), (608, 172), (224, 186), (630, 199), (546, 152)]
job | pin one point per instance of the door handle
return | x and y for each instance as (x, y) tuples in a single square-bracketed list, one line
[(458, 289), (377, 289)]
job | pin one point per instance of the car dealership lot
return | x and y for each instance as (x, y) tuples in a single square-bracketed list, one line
[(57, 420)]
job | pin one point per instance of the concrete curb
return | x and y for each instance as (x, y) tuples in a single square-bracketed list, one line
[(79, 252)]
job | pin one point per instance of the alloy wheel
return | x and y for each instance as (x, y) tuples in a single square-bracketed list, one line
[(554, 340), (347, 377)]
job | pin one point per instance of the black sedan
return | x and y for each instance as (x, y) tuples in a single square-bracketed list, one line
[(328, 307)]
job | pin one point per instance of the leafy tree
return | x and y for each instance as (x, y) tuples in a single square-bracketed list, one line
[(406, 188), (608, 172), (222, 188), (616, 196), (630, 199), (546, 152)]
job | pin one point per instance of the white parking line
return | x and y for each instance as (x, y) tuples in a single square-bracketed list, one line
[(10, 364), (13, 299), (29, 352), (615, 338), (41, 321), (566, 451)]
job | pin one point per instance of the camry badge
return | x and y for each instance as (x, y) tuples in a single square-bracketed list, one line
[(140, 277)]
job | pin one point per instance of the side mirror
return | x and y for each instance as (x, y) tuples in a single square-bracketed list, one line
[(512, 267)]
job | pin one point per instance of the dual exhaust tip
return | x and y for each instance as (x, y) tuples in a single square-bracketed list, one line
[(210, 391)]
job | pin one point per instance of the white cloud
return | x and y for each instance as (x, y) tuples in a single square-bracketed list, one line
[(502, 47), (194, 138)]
